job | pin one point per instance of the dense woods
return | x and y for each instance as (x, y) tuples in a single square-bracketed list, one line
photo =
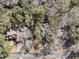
[(41, 26)]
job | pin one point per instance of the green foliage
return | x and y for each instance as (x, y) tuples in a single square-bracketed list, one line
[(73, 35), (40, 13), (3, 23), (1, 9), (3, 52), (74, 23), (17, 16), (17, 21), (40, 17), (17, 10), (41, 9), (26, 6), (53, 23), (75, 2)]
